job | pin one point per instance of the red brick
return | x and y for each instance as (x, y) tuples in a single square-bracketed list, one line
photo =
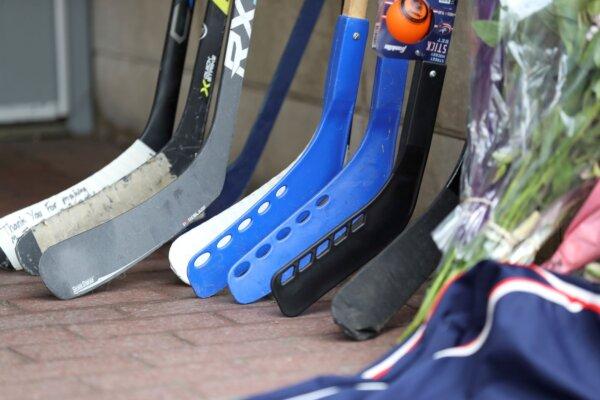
[(230, 352), (100, 347), (152, 393), (178, 375), (268, 373), (175, 290), (47, 389), (247, 315), (402, 318), (101, 298), (37, 335), (173, 307), (149, 325), (163, 282), (253, 384), (7, 309), (157, 263), (333, 362), (142, 280), (58, 318), (184, 306), (9, 357), (23, 291), (339, 343), (70, 368), (284, 327), (15, 277)]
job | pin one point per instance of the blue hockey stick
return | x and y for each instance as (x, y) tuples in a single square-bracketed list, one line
[(240, 171), (320, 162), (227, 209), (353, 188)]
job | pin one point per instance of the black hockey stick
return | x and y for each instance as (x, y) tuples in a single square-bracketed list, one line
[(86, 261), (370, 299), (374, 227), (155, 135), (153, 175)]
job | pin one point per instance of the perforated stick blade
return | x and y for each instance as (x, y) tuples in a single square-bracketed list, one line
[(155, 135), (184, 247), (92, 258), (225, 210), (351, 190)]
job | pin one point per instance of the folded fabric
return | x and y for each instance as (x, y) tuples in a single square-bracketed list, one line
[(495, 332), (581, 243)]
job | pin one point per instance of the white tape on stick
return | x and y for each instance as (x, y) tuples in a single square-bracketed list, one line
[(14, 225)]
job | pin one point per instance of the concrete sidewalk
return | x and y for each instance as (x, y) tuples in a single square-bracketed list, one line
[(145, 335)]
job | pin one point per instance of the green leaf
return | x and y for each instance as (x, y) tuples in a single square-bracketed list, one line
[(596, 89), (594, 8), (569, 8), (596, 47), (488, 31)]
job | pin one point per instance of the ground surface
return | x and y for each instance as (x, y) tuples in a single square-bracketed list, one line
[(146, 336)]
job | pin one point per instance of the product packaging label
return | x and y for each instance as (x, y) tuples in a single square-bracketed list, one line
[(415, 29)]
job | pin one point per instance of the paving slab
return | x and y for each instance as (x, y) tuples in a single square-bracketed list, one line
[(145, 335)]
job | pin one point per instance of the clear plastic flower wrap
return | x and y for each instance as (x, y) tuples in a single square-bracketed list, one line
[(534, 132)]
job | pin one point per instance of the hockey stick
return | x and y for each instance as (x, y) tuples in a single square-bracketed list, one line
[(240, 171), (351, 190), (224, 210), (370, 299), (369, 230), (84, 262), (321, 160), (150, 177), (155, 135)]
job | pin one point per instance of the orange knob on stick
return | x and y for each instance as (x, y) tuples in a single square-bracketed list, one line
[(409, 21)]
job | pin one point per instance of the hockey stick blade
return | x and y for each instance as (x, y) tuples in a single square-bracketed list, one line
[(240, 171), (369, 230), (154, 136), (320, 161), (82, 263), (226, 209), (349, 191), (150, 177), (364, 305)]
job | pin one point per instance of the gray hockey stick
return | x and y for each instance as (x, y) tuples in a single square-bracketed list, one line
[(86, 261)]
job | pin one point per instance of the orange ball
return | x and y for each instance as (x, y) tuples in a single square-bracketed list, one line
[(409, 21)]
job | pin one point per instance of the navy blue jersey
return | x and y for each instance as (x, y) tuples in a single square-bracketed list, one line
[(495, 332)]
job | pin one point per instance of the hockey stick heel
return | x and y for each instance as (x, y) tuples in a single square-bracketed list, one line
[(368, 231)]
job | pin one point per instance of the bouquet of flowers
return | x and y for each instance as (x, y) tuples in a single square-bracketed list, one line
[(534, 133)]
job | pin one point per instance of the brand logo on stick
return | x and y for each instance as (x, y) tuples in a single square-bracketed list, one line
[(83, 285), (209, 70), (236, 53)]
